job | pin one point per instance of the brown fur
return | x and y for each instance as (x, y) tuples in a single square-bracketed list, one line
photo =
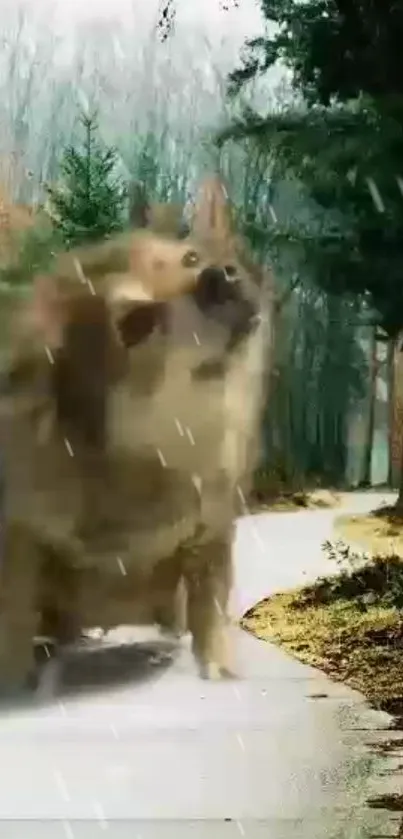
[(135, 389)]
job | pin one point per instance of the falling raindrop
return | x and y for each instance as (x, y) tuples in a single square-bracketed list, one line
[(375, 195), (161, 458), (190, 437), (68, 447), (49, 355), (121, 566), (241, 742), (79, 270), (197, 483), (179, 427), (273, 214), (218, 606), (241, 495)]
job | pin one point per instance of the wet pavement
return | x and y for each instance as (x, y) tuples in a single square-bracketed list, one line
[(276, 551), (145, 750)]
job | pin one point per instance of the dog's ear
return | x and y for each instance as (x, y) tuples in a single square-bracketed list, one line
[(212, 216), (166, 220), (163, 219)]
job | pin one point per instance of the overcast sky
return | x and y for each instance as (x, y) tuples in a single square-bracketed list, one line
[(208, 13), (221, 32), (207, 16)]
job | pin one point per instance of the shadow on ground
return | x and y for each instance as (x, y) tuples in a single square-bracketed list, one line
[(115, 665), (95, 667)]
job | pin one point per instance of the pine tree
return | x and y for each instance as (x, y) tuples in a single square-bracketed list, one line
[(343, 140), (89, 203)]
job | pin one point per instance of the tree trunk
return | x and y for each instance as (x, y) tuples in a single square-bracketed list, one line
[(399, 502), (391, 348), (369, 441), (397, 419)]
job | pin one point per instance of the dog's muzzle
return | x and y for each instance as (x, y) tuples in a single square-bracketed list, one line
[(222, 298)]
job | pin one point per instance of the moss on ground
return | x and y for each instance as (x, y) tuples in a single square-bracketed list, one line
[(350, 626), (380, 531), (288, 502)]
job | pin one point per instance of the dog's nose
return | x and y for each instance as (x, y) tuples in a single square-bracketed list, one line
[(213, 288), (224, 300)]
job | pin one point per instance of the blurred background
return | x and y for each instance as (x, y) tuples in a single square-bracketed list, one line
[(141, 90)]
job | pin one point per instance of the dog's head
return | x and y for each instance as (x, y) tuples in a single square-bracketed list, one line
[(199, 291), (121, 309)]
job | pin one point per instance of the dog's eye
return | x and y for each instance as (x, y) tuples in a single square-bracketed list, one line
[(190, 259), (230, 271)]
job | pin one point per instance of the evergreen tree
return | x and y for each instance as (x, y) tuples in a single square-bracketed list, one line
[(344, 142), (89, 203)]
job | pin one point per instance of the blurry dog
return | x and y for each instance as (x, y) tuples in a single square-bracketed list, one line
[(135, 387)]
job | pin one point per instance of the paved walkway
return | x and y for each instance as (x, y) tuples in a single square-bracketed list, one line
[(158, 754), (277, 551)]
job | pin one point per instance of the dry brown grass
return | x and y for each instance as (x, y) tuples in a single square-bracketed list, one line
[(351, 627), (381, 531), (280, 500)]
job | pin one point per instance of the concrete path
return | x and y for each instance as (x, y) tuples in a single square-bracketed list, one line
[(157, 754), (276, 551)]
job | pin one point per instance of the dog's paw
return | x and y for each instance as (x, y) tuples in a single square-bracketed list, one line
[(214, 672), (229, 673), (48, 681)]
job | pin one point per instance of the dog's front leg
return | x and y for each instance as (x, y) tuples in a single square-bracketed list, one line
[(209, 582), (170, 597), (19, 573)]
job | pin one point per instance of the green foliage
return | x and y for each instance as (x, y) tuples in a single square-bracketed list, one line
[(377, 582), (33, 251), (335, 50), (347, 158), (90, 202), (344, 143), (319, 368)]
